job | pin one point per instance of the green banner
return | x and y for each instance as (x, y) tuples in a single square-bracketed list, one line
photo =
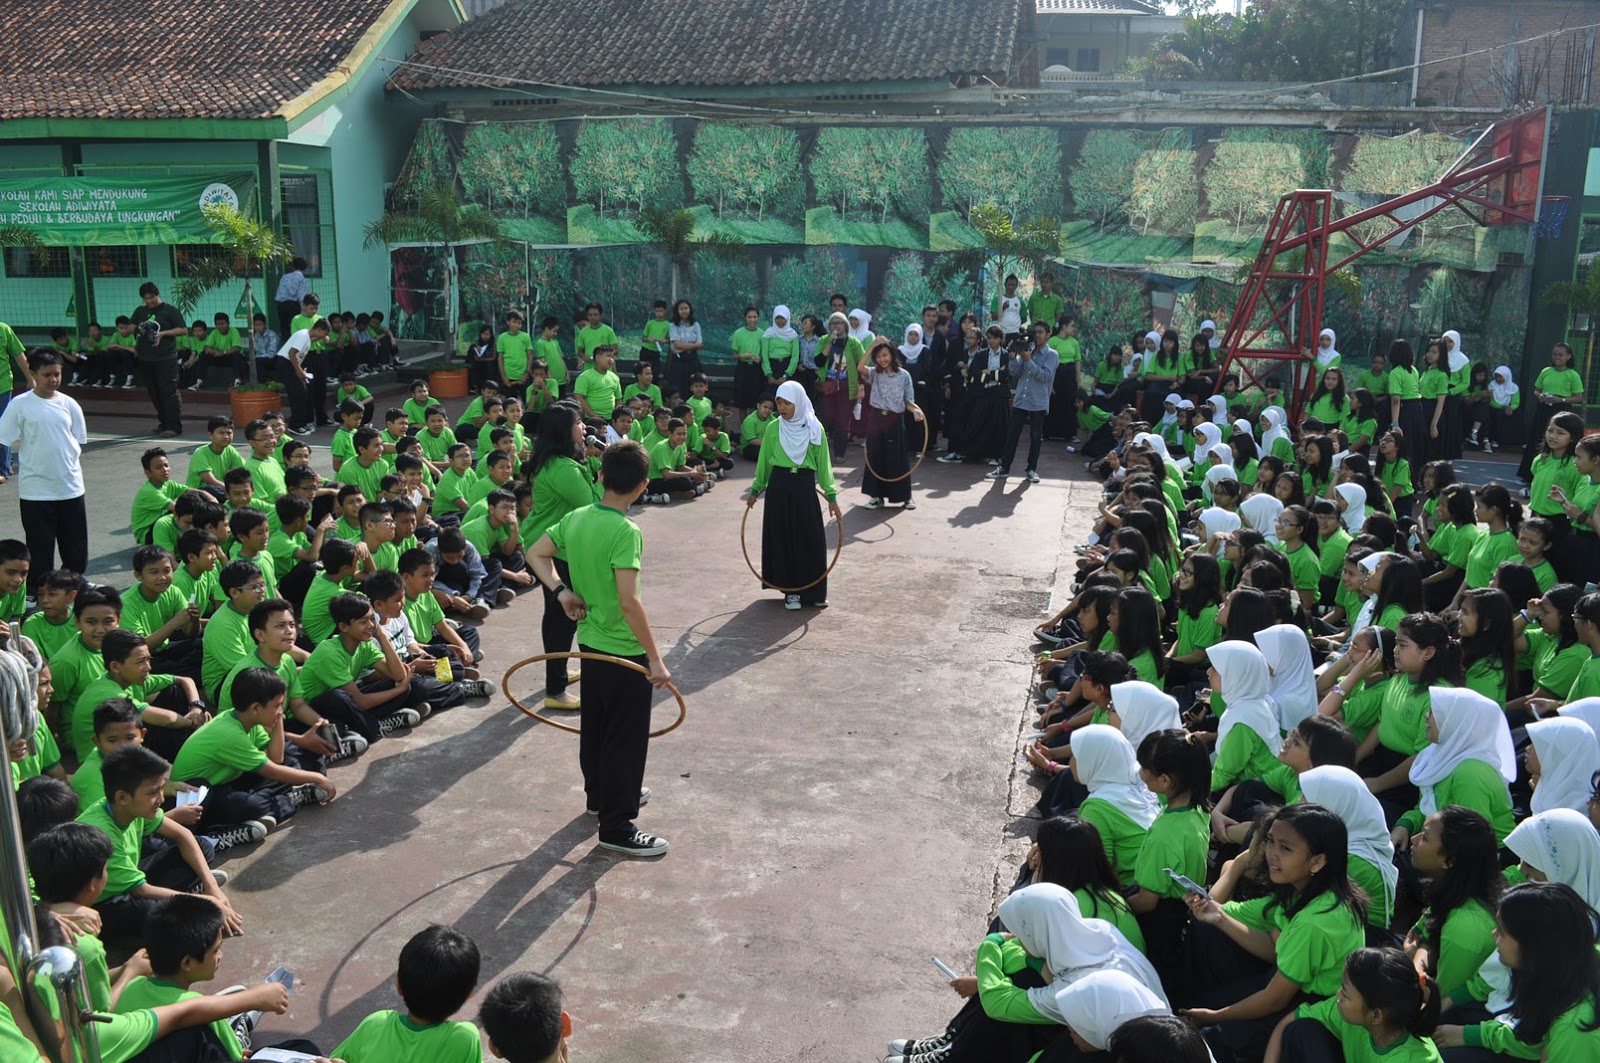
[(85, 211)]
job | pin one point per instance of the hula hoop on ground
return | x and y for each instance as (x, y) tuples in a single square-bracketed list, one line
[(505, 686), (866, 456), (837, 550)]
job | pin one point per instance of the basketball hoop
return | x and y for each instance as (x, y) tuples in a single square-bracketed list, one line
[(1552, 213)]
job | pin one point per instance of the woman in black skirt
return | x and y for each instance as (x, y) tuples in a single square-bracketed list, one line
[(988, 406), (889, 399), (793, 463)]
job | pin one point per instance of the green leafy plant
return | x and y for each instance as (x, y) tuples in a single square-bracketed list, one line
[(248, 246), (440, 221), (1018, 170), (672, 233), (805, 283), (1166, 194), (1007, 247), (872, 171)]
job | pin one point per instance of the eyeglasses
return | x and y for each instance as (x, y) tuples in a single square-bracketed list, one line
[(261, 587)]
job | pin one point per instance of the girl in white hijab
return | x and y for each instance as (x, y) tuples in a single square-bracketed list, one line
[(1096, 1004), (1345, 794), (1328, 356), (1169, 411), (1240, 676), (1219, 408), (1047, 923), (911, 350), (1563, 756), (861, 328), (1464, 726), (794, 548), (1352, 502), (1457, 358), (1294, 684), (1585, 709), (1260, 511), (1141, 709), (780, 362), (1275, 434), (1503, 401), (1220, 470), (1104, 762), (1244, 428), (785, 331), (1206, 436), (1215, 521)]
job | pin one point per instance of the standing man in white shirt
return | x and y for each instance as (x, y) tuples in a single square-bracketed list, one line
[(49, 429), (289, 368)]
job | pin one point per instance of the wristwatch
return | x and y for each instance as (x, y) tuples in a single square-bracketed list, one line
[(558, 588)]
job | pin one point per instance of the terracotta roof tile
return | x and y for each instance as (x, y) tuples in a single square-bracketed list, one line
[(719, 42), (143, 59)]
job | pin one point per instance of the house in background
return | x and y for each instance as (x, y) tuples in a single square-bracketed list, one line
[(1557, 68), (281, 106), (1078, 40)]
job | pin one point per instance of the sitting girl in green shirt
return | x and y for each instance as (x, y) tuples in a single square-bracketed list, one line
[(1469, 761), (1384, 1012), (1458, 856), (1547, 630), (1248, 734), (1118, 805), (1425, 656)]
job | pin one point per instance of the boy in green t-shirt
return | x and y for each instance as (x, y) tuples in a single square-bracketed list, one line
[(135, 783), (513, 351), (755, 426), (78, 662), (343, 447), (416, 407), (192, 369), (266, 474), (51, 627), (436, 438), (350, 390), (239, 490), (196, 574), (224, 344), (644, 384), (669, 467), (714, 448), (227, 639), (121, 350), (396, 426), (127, 674), (547, 349), (438, 973), (348, 501), (332, 676), (117, 723), (450, 500), (377, 536), (157, 609), (592, 335), (699, 396), (495, 535), (211, 462), (653, 340), (598, 388), (427, 617), (94, 347), (68, 866), (339, 565), (240, 755), (155, 496), (370, 466), (604, 550)]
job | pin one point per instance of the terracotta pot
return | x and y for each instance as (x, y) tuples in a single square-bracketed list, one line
[(448, 383), (248, 405)]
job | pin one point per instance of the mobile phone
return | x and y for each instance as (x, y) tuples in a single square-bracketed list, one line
[(1189, 884), (284, 977), (947, 972)]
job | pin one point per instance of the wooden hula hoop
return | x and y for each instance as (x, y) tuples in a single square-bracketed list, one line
[(837, 550), (866, 456), (505, 686)]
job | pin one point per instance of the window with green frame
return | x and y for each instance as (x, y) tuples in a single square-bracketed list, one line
[(302, 217)]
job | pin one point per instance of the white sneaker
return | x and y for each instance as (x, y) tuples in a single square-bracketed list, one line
[(995, 473), (950, 458), (1473, 438), (874, 503), (1033, 477), (994, 461), (791, 602)]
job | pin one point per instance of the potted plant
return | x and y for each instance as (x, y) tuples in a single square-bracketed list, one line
[(439, 221), (248, 246)]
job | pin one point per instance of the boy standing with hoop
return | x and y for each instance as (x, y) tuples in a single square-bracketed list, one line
[(604, 550)]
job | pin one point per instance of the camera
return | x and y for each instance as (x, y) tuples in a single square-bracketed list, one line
[(150, 331)]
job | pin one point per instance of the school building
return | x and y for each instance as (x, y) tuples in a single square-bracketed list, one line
[(118, 120)]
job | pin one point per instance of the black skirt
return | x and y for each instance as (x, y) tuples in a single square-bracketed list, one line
[(886, 453), (1415, 416), (748, 383), (794, 544), (988, 417)]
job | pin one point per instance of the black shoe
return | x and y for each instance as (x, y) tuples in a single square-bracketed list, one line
[(638, 844)]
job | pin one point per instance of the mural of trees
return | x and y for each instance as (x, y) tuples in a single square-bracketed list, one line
[(1165, 195), (747, 171), (1273, 169), (1018, 170), (906, 290), (618, 169), (429, 164), (722, 289), (871, 187), (1101, 177), (804, 283), (1388, 166), (513, 169)]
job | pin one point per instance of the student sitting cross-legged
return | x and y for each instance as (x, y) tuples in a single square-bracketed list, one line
[(169, 704), (386, 592), (438, 973), (255, 777), (135, 781), (272, 630), (117, 724), (428, 622), (373, 708)]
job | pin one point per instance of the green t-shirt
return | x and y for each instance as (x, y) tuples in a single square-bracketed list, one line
[(149, 504), (652, 392), (342, 447), (1555, 668), (436, 448), (1404, 383), (1303, 566), (1177, 839), (314, 616), (560, 486), (1329, 412), (1242, 755), (600, 390), (45, 756), (226, 639), (1197, 632), (549, 352), (417, 412), (1474, 784), (1486, 555), (485, 538), (746, 345), (1487, 678), (1544, 575), (47, 636), (1548, 472), (356, 393), (1362, 709), (81, 728), (72, 669), (1433, 385), (1068, 350), (87, 782), (451, 494), (1312, 944), (367, 477), (331, 666), (283, 548), (754, 427), (266, 481), (1559, 382), (1356, 1042), (122, 870), (597, 541), (207, 460), (147, 617), (390, 1037), (10, 347), (224, 341), (1331, 552), (1465, 941), (423, 613), (1377, 383), (588, 339), (287, 670), (1396, 474), (655, 334), (1403, 716), (664, 456), (515, 350), (221, 750), (144, 993), (1121, 836)]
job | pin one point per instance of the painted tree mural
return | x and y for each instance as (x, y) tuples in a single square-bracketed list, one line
[(1165, 195), (907, 288), (1018, 170), (514, 168), (626, 166), (1273, 169), (429, 164), (1389, 166), (872, 171), (750, 170), (804, 283), (1100, 179)]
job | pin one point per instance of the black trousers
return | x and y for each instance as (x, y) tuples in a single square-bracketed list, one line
[(160, 380), (1033, 421), (614, 743), (180, 656), (51, 526), (288, 310), (341, 708), (294, 389), (250, 796), (123, 916), (556, 632)]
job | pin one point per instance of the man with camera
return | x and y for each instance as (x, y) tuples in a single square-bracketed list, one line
[(157, 325)]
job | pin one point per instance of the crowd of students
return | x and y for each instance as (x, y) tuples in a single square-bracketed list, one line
[(1316, 751)]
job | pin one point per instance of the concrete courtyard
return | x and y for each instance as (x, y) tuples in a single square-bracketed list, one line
[(841, 801)]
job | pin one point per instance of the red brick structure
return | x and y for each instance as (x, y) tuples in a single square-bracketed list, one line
[(1557, 68)]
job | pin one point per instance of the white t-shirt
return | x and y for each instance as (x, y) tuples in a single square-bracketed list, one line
[(50, 433), (300, 341)]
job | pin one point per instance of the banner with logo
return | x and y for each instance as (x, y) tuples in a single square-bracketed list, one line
[(114, 211)]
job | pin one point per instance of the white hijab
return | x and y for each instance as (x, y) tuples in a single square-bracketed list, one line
[(1564, 846), (1155, 443), (787, 332), (1107, 766), (1275, 418), (1325, 358), (1244, 427), (1354, 497), (912, 351), (1218, 521), (1245, 692), (1220, 407), (1260, 511), (1569, 755), (1471, 727), (1345, 794), (1170, 418), (1047, 923), (1502, 392), (1206, 436), (1457, 358), (1143, 709), (1219, 470), (1152, 337), (863, 334), (1096, 1004), (1218, 454), (799, 434), (1294, 684), (1212, 325), (1585, 709)]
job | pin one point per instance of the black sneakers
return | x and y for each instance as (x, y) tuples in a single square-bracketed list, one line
[(638, 844)]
